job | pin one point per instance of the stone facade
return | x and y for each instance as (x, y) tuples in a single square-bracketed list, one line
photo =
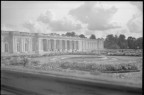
[(13, 42)]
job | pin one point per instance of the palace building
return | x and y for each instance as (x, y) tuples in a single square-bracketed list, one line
[(13, 42)]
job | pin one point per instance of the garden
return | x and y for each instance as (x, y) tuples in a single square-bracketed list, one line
[(118, 67)]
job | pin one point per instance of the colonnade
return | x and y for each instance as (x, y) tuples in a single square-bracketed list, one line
[(89, 44), (47, 45), (38, 43), (22, 44)]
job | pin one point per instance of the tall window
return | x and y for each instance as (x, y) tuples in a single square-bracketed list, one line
[(44, 44), (18, 45), (68, 44), (33, 44), (58, 44), (63, 44), (49, 45), (26, 44), (6, 47), (52, 44)]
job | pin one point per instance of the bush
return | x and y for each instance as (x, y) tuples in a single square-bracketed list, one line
[(35, 63), (19, 61), (5, 61), (99, 67), (16, 61), (25, 61)]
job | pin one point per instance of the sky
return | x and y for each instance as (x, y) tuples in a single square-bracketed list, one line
[(82, 17)]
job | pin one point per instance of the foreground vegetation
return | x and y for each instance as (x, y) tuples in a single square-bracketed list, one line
[(73, 65), (101, 67), (108, 68)]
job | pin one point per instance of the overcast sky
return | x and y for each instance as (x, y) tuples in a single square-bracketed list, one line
[(89, 17)]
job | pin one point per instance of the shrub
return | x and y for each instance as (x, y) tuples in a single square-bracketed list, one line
[(25, 61), (19, 61), (5, 61), (99, 67), (35, 63)]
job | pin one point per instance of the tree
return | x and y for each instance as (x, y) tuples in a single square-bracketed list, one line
[(92, 36), (131, 42), (111, 42), (122, 42), (115, 42), (82, 36), (139, 43), (72, 34)]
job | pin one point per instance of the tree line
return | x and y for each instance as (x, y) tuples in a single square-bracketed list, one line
[(115, 42), (73, 34), (120, 42)]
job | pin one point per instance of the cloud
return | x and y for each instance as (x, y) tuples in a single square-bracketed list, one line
[(135, 24), (6, 27), (63, 24), (46, 17), (138, 4), (97, 18), (11, 27), (34, 27)]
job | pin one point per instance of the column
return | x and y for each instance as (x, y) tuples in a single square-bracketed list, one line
[(75, 45), (65, 45), (70, 45), (80, 45), (85, 45), (57, 45), (41, 44), (16, 45), (60, 45), (52, 44), (22, 44), (47, 44), (30, 45)]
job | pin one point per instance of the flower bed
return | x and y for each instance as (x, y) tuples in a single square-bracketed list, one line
[(64, 64), (18, 61), (124, 52), (100, 67)]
